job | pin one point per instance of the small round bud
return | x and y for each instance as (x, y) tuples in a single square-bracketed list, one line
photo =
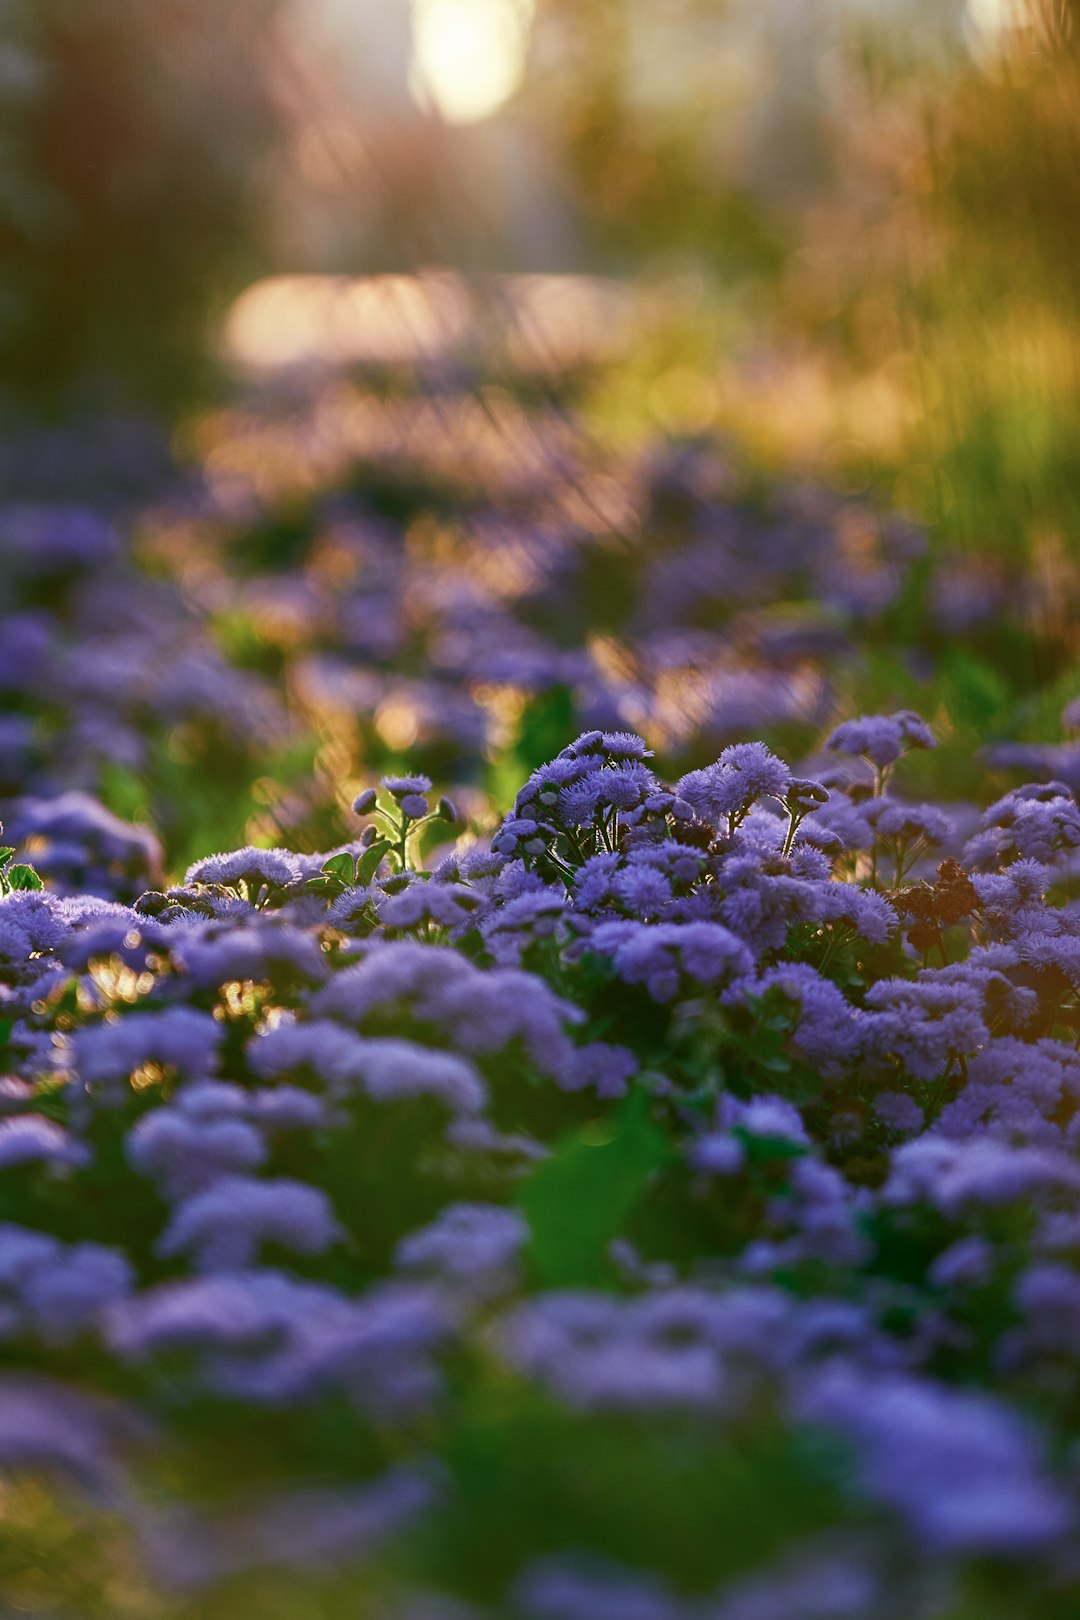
[(364, 803), (803, 794), (368, 836), (448, 810), (413, 805)]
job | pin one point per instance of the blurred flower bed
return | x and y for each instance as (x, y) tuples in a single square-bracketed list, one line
[(424, 553), (669, 1210), (658, 1203)]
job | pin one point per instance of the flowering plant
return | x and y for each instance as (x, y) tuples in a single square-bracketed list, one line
[(475, 1234)]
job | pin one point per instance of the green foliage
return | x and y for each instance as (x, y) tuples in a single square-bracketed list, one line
[(577, 1200), (698, 1503), (15, 875)]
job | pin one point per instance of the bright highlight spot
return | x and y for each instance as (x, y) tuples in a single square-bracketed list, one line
[(469, 55), (992, 18)]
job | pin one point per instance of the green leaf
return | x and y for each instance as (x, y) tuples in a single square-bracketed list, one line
[(340, 867), (23, 877), (577, 1200), (760, 1148), (368, 863), (6, 852)]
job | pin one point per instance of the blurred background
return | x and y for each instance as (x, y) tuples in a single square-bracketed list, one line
[(332, 306)]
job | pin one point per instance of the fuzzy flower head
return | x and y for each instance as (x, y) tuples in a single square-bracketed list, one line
[(1039, 822), (881, 738), (250, 867), (224, 1226), (744, 773), (404, 787)]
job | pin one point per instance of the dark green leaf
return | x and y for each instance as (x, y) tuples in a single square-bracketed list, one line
[(340, 867), (577, 1200), (368, 863), (23, 877), (759, 1148)]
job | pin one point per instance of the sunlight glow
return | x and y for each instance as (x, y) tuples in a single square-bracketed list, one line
[(992, 18), (469, 55)]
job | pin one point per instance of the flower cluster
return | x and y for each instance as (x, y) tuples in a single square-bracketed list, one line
[(686, 1129), (458, 584)]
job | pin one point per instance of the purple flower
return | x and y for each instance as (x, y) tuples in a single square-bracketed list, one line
[(1040, 822), (185, 1155), (225, 1225), (956, 1177), (744, 773), (624, 745), (960, 1468), (444, 905), (600, 1352), (881, 738), (403, 787), (899, 1114), (212, 954), (179, 1038), (251, 867), (32, 922), (828, 1029), (475, 1011), (643, 891), (47, 1427), (476, 1245), (664, 956), (395, 1069), (585, 1589), (56, 1290), (522, 836), (519, 923), (924, 1023), (893, 820), (80, 846), (604, 1068), (387, 1069), (33, 1139)]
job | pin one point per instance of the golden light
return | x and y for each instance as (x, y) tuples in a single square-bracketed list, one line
[(990, 21), (535, 323), (469, 55)]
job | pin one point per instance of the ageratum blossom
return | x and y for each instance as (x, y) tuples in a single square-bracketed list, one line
[(224, 1225), (178, 1038), (881, 738)]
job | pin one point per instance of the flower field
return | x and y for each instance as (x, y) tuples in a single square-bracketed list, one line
[(640, 1183), (539, 810)]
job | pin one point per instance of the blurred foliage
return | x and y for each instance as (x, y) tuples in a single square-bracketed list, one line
[(135, 144), (869, 276)]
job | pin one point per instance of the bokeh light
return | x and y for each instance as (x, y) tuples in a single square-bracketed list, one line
[(469, 55)]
